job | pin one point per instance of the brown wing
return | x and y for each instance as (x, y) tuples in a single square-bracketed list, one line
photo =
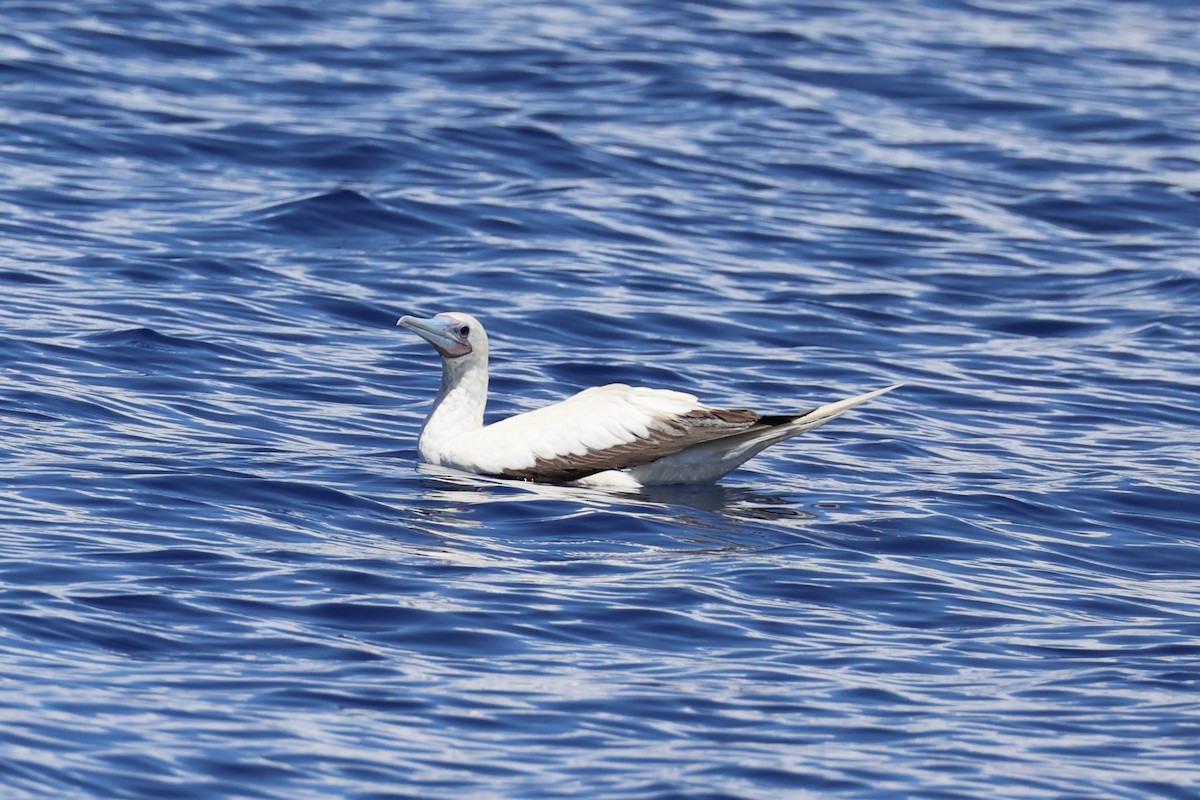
[(673, 435)]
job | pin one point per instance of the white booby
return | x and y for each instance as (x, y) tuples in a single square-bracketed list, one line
[(614, 436)]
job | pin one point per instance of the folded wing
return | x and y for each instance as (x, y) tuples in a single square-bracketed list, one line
[(610, 427)]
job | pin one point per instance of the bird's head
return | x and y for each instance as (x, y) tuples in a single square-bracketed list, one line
[(453, 334)]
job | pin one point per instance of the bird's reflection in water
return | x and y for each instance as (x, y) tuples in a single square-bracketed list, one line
[(712, 516), (732, 501)]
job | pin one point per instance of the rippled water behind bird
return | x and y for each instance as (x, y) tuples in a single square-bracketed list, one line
[(221, 573)]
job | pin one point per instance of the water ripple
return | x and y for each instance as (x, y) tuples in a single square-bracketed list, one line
[(221, 575)]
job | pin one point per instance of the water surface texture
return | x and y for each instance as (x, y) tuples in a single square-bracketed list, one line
[(222, 575)]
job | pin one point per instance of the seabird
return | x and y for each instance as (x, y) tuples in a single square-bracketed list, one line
[(615, 436)]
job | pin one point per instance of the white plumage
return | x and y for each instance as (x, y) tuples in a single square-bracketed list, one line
[(615, 435)]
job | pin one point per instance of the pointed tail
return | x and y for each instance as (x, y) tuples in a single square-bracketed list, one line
[(826, 413)]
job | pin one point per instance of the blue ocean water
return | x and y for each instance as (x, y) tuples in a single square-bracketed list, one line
[(222, 574)]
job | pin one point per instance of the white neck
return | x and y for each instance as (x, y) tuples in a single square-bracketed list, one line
[(459, 406)]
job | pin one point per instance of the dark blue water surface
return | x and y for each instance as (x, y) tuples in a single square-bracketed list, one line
[(222, 575)]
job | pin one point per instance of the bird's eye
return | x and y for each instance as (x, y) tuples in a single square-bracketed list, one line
[(464, 330)]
